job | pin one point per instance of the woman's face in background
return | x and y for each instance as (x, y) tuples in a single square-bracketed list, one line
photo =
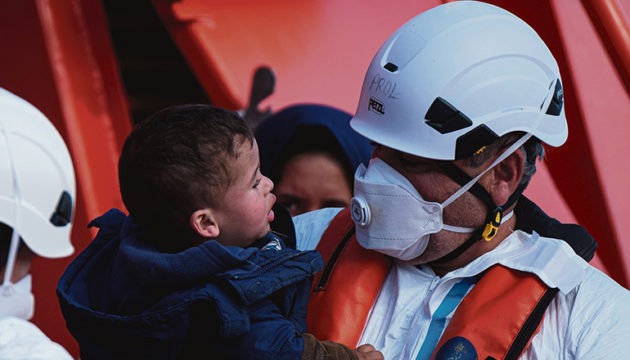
[(310, 181)]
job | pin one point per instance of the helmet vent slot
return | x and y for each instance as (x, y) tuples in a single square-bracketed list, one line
[(63, 213), (555, 106), (445, 118), (391, 67)]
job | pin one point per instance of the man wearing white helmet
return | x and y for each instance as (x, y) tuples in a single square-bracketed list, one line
[(440, 256), (37, 189)]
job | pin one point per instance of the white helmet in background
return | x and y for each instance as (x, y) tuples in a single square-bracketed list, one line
[(455, 78), (37, 183)]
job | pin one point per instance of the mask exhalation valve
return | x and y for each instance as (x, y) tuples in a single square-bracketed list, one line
[(360, 211)]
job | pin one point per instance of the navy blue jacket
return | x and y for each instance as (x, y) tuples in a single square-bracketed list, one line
[(123, 299)]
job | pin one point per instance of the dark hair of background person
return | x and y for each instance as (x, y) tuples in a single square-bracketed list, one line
[(310, 128)]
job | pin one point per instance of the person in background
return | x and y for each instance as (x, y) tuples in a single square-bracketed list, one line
[(194, 270), (440, 256), (37, 196), (310, 152)]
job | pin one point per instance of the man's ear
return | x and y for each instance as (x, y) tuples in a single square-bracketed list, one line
[(204, 223), (507, 176)]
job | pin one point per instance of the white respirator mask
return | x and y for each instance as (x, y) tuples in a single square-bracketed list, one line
[(17, 299), (391, 217)]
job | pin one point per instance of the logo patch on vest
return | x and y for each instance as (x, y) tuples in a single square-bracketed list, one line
[(457, 348)]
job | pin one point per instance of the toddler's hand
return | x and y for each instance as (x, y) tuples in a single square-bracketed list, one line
[(368, 352)]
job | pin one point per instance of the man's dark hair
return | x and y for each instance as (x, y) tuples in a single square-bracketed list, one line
[(177, 161), (533, 150)]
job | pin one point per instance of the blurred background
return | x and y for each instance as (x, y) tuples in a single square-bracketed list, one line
[(95, 67)]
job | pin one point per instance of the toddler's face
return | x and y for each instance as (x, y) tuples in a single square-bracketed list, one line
[(246, 211)]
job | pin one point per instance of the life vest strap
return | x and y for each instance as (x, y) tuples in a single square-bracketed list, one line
[(498, 317), (343, 293)]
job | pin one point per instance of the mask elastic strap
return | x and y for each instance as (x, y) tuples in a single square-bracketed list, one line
[(468, 243), (474, 180), (495, 217), (457, 229), (464, 230)]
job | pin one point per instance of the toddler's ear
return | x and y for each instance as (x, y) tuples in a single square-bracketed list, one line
[(204, 223)]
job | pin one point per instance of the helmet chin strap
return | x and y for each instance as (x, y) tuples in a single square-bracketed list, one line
[(495, 216), (12, 255), (15, 239)]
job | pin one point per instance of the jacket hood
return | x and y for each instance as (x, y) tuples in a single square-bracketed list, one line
[(277, 142)]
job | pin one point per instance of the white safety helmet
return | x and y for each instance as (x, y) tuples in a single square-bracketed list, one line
[(455, 78), (37, 183)]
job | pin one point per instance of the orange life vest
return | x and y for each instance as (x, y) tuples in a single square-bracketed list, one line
[(497, 317)]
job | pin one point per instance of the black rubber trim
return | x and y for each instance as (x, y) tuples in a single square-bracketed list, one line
[(530, 325), (323, 280)]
